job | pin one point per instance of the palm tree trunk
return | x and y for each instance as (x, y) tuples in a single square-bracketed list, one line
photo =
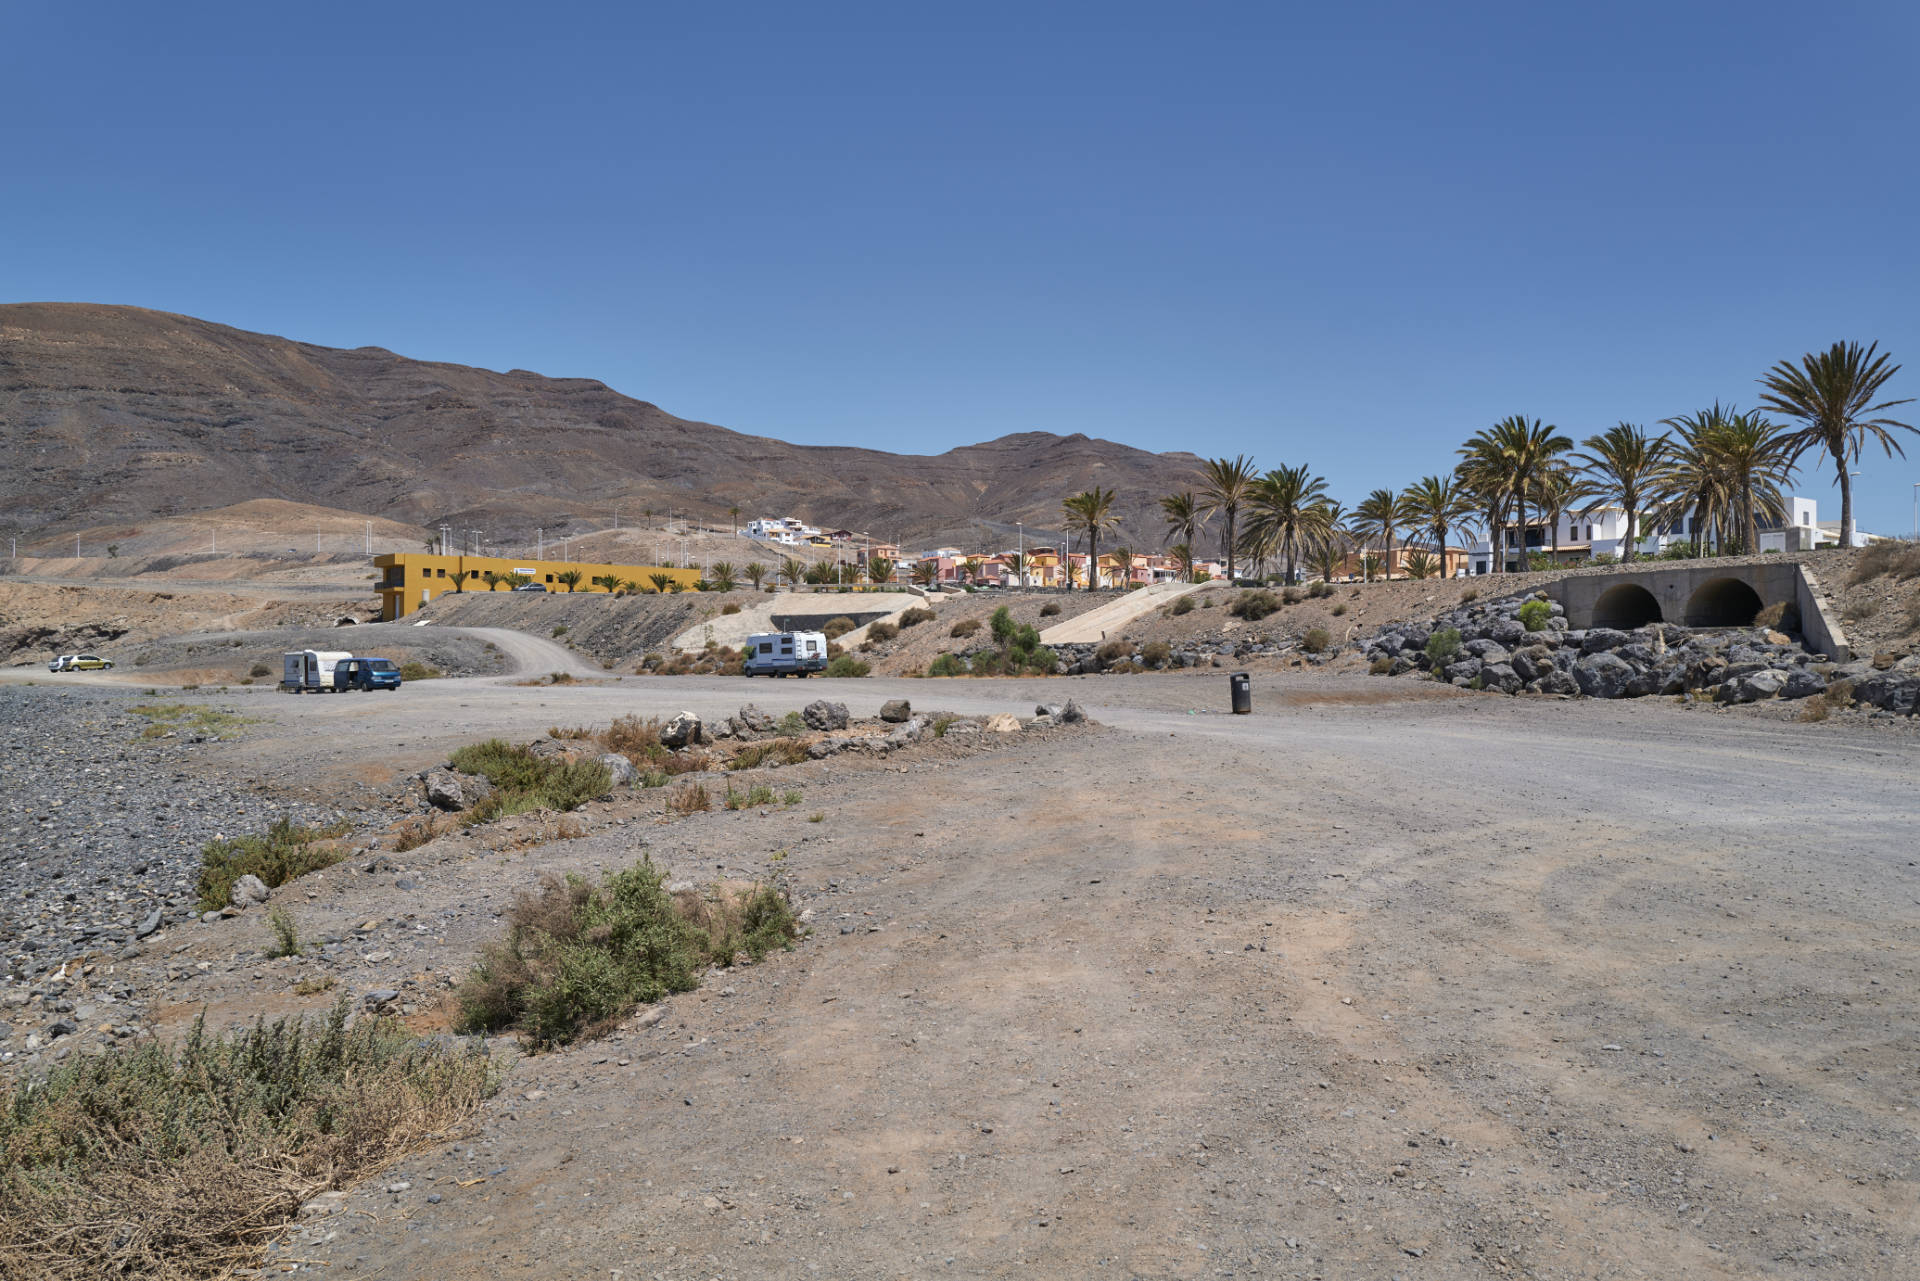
[(1626, 548), (1839, 451), (1227, 533)]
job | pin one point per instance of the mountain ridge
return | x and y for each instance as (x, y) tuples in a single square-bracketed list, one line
[(111, 412)]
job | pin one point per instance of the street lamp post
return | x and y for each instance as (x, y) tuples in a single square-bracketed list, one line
[(1025, 580)]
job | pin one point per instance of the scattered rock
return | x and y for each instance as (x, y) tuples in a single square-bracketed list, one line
[(756, 720), (682, 731), (619, 768), (896, 711), (823, 715), (1001, 724), (248, 890)]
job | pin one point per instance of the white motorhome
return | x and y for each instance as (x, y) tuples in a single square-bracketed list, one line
[(310, 670), (786, 653)]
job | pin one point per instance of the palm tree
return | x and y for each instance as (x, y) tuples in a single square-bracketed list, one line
[(723, 578), (1754, 457), (1693, 487), (1017, 564), (571, 577), (1624, 465), (792, 570), (1122, 559), (1091, 511), (493, 579), (609, 581), (1521, 448), (1224, 486), (1185, 516), (1420, 565), (1435, 505), (1559, 489), (1290, 513), (756, 573), (661, 582), (1483, 479), (879, 569), (970, 568), (1182, 554), (1381, 513), (733, 514), (629, 587), (925, 573), (1830, 394)]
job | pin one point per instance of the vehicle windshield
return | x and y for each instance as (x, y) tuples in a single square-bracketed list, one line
[(381, 665)]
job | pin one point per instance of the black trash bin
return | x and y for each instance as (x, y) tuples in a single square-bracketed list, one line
[(1241, 686)]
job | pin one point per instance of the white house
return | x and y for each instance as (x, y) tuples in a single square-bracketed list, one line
[(788, 530), (1602, 532)]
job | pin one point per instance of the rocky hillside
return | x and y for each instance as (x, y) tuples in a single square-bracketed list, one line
[(116, 413)]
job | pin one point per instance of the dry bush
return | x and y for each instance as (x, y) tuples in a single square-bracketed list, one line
[(781, 751), (175, 1164), (838, 627), (1856, 611), (917, 615), (566, 733), (1900, 559), (1049, 609), (634, 737), (1771, 616), (964, 628), (881, 631), (1157, 653), (689, 798), (1182, 605), (1316, 640), (1815, 709), (1113, 651)]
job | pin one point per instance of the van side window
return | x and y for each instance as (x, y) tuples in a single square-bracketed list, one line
[(766, 647)]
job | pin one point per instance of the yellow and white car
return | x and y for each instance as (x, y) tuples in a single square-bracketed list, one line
[(79, 663)]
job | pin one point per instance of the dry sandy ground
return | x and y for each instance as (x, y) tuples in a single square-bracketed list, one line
[(1380, 981)]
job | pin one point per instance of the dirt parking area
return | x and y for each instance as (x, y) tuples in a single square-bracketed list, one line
[(1380, 981)]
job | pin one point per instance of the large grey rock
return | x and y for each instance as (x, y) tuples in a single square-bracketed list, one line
[(1890, 691), (247, 891), (1603, 675), (1752, 687), (1802, 683), (682, 731), (1502, 677), (1558, 682), (1488, 651), (619, 769), (908, 733), (756, 720), (1047, 709), (823, 714), (148, 924), (1463, 670), (1071, 714), (452, 791), (1533, 662), (1600, 639), (1508, 632), (896, 711)]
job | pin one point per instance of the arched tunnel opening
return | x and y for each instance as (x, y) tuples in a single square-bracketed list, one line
[(1626, 606), (1723, 602)]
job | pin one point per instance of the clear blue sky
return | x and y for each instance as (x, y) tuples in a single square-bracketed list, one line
[(1349, 235)]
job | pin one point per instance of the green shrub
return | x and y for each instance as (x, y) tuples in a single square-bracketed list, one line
[(1443, 644), (286, 932), (1182, 605), (847, 665), (523, 782), (917, 615), (964, 628), (577, 958), (781, 751), (1002, 625), (1049, 609), (559, 630), (179, 1161), (1534, 615), (730, 608), (1316, 640), (946, 665), (413, 670), (1255, 604), (278, 855)]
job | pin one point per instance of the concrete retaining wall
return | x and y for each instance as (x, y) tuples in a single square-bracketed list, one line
[(1703, 594)]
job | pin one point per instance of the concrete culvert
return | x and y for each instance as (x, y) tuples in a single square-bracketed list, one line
[(346, 620), (1723, 602), (1626, 606)]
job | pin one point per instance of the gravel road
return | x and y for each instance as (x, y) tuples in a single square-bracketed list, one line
[(1382, 980)]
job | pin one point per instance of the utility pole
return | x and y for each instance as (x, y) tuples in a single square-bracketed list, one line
[(540, 544), (1022, 527), (369, 538)]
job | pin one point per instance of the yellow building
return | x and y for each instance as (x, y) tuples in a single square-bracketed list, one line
[(409, 580)]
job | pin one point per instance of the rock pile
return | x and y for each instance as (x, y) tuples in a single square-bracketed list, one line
[(1496, 650)]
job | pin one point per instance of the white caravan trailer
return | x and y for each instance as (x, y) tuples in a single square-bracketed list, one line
[(310, 670), (786, 653)]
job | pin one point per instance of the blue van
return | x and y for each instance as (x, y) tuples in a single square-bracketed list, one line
[(366, 673)]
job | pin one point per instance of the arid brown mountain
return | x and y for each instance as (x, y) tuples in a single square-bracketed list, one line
[(117, 413)]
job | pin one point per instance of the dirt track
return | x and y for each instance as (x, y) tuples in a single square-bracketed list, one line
[(1371, 983)]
